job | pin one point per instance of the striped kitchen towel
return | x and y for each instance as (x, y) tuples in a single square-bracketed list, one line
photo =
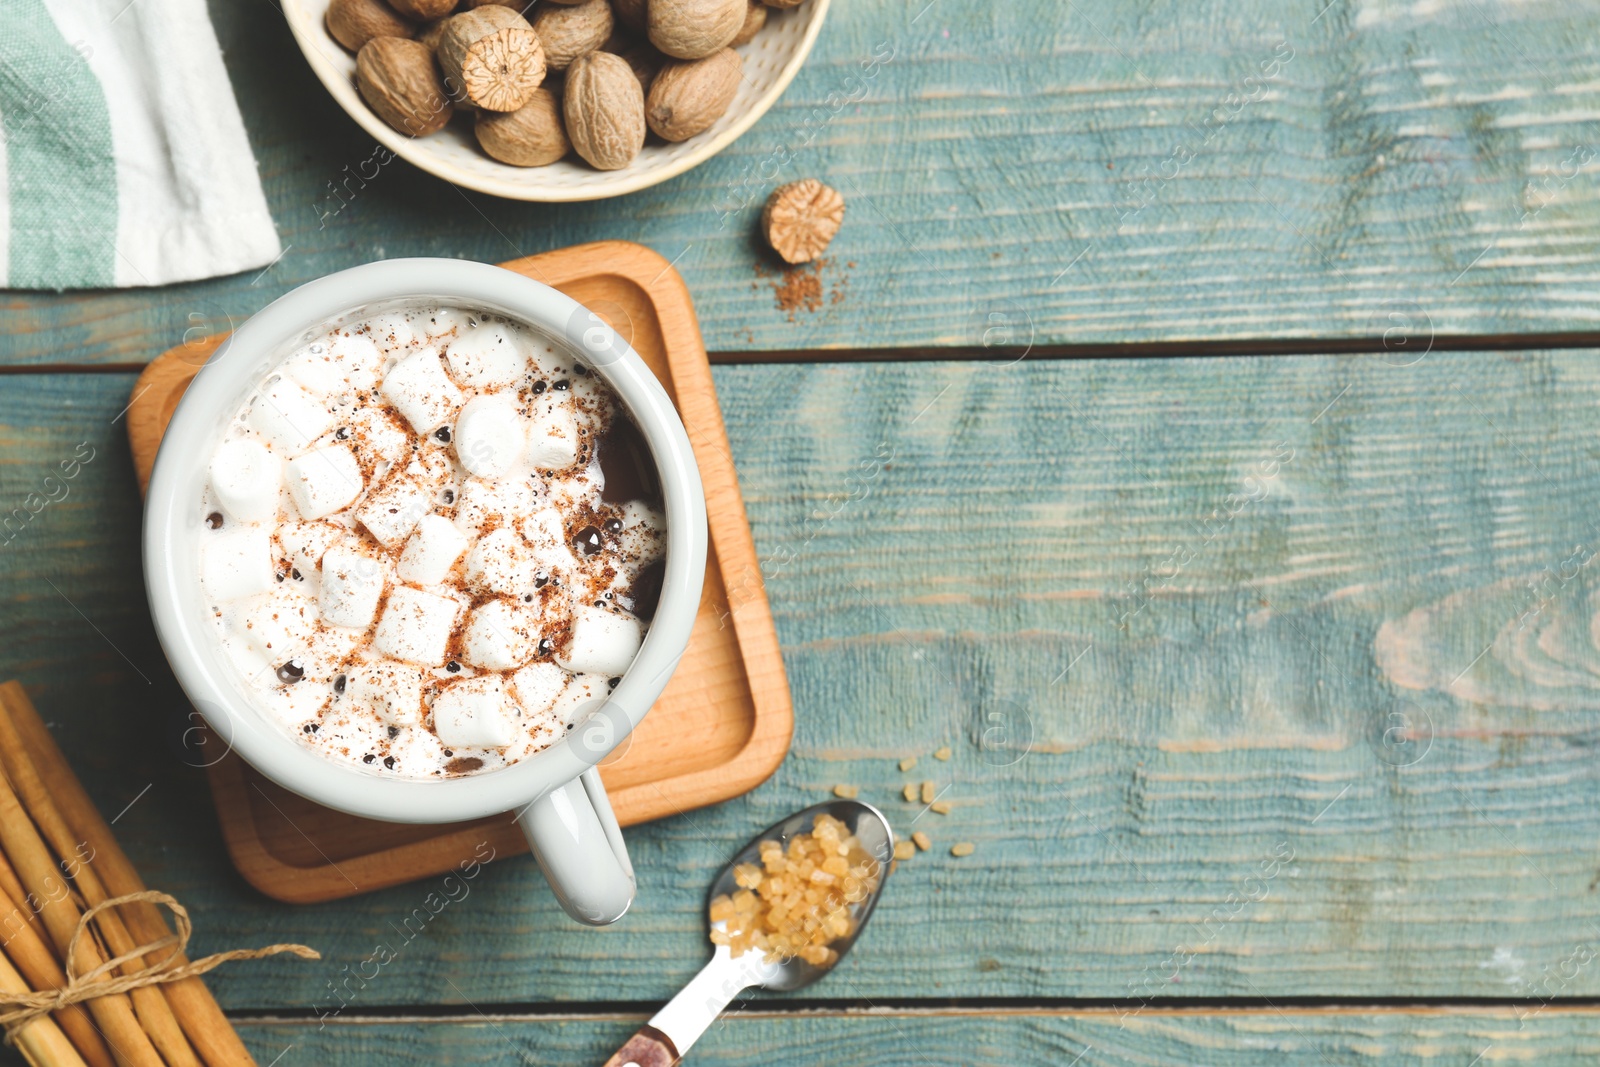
[(123, 159)]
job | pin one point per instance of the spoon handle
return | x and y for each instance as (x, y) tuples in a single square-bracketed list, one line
[(667, 1036), (647, 1048)]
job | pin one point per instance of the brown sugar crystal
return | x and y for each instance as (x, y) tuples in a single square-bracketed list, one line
[(799, 899)]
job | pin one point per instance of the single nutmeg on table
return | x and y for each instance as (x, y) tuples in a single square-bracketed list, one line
[(604, 109), (397, 78), (491, 57), (801, 218), (688, 96)]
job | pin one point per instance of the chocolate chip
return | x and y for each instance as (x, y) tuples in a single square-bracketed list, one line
[(589, 540), (368, 758), (449, 496), (579, 369), (562, 386), (611, 683), (442, 434), (452, 666), (309, 728), (291, 672), (545, 646), (214, 520), (388, 761), (447, 752), (294, 572), (537, 387), (540, 581), (394, 732), (614, 525), (342, 433), (338, 684)]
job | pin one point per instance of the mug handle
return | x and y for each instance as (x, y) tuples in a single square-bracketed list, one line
[(579, 846)]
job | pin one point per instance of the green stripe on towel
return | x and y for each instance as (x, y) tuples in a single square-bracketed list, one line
[(61, 174)]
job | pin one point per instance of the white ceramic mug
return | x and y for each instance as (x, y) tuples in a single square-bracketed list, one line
[(556, 794)]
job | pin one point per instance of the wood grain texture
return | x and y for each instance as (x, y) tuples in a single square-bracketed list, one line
[(1100, 171), (720, 728), (1237, 1039), (1182, 780)]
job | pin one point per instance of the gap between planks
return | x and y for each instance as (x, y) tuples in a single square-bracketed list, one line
[(1198, 349)]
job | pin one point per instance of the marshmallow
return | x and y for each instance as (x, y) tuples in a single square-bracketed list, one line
[(500, 637), (394, 509), (415, 626), (352, 585), (279, 627), (553, 439), (489, 357), (537, 685), (602, 642), (500, 503), (474, 713), (303, 544), (377, 432), (325, 481), (499, 564), (421, 391), (432, 551), (350, 361), (544, 528), (643, 532), (490, 436), (392, 332), (236, 561), (391, 691), (584, 693), (441, 323), (246, 478), (314, 370), (288, 417)]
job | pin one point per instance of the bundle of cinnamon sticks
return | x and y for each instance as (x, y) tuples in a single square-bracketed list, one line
[(58, 862)]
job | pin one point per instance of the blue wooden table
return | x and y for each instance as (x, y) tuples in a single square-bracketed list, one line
[(1240, 369)]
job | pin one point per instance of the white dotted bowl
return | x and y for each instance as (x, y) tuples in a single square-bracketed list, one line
[(770, 64)]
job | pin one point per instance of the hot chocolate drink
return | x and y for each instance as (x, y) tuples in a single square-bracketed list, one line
[(431, 541)]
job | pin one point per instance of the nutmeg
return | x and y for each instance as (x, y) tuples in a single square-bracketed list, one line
[(398, 79), (688, 96), (604, 109), (530, 136), (491, 57), (571, 30), (693, 29), (755, 17), (355, 22)]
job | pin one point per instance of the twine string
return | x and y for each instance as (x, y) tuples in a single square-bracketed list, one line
[(25, 1008)]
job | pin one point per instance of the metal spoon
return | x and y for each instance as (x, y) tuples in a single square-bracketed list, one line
[(667, 1036)]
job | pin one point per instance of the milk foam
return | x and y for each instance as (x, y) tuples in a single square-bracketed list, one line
[(406, 549)]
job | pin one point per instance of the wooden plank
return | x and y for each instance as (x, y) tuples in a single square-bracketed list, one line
[(1420, 1037), (1097, 172), (1315, 1039), (1294, 764)]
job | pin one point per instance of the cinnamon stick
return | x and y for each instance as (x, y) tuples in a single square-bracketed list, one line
[(41, 1041), (26, 949), (210, 1032), (37, 871), (148, 1002)]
